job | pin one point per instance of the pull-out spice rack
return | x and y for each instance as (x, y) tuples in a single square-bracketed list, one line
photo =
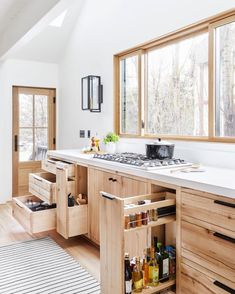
[(116, 237)]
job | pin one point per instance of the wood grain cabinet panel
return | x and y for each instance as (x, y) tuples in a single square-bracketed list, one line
[(114, 184), (50, 165), (43, 185), (33, 222), (210, 208), (133, 187), (196, 282), (211, 249)]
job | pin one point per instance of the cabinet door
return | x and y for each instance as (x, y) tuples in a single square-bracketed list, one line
[(132, 187), (98, 181)]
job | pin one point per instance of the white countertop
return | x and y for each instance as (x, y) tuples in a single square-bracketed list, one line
[(219, 181)]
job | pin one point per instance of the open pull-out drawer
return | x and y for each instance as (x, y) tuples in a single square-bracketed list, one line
[(43, 185), (71, 221), (126, 226), (33, 221), (77, 220), (50, 165)]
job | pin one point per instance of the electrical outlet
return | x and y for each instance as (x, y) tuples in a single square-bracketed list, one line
[(82, 133), (88, 133)]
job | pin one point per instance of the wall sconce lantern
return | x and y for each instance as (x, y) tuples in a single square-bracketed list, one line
[(92, 93)]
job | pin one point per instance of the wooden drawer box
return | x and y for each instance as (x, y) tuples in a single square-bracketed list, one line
[(210, 208), (33, 222), (43, 185), (194, 281), (77, 220), (213, 250), (50, 165)]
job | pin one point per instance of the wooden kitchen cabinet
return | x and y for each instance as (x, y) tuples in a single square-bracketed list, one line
[(71, 221), (113, 242), (195, 280), (207, 243), (114, 184)]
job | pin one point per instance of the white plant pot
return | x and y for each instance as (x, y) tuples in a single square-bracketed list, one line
[(110, 147)]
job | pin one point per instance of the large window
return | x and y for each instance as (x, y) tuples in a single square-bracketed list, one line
[(181, 85), (225, 80), (129, 95), (177, 88)]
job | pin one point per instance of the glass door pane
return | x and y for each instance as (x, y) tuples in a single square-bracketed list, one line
[(33, 127), (26, 144), (25, 110), (41, 110), (41, 143)]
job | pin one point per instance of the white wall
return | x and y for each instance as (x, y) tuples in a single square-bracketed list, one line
[(20, 73), (106, 27)]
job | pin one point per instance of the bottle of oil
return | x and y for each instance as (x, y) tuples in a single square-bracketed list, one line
[(153, 270), (137, 276), (145, 270)]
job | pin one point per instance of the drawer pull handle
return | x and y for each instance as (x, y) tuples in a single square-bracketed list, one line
[(224, 287), (110, 179), (60, 168), (224, 203), (51, 161), (38, 179), (226, 238), (107, 195), (114, 180), (19, 205)]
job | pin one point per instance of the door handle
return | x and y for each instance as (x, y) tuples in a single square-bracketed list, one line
[(16, 143), (224, 287), (114, 180), (110, 179)]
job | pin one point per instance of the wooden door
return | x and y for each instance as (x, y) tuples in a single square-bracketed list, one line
[(33, 132)]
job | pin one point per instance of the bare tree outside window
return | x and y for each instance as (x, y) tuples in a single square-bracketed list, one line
[(177, 93), (225, 80), (129, 95), (33, 127)]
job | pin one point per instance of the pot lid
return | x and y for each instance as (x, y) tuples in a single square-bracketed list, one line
[(160, 142)]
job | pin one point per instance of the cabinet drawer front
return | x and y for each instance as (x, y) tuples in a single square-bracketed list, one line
[(43, 185), (77, 220), (195, 282), (214, 250), (33, 222), (51, 164), (21, 213), (210, 208)]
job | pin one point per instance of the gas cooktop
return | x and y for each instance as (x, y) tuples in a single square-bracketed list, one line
[(141, 161)]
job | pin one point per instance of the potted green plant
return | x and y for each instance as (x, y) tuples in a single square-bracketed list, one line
[(110, 142)]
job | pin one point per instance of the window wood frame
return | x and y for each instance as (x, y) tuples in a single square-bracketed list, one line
[(207, 25)]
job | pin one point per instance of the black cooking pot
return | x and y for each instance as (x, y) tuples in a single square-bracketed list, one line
[(160, 150)]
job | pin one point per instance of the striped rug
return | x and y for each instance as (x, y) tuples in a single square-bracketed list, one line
[(42, 266)]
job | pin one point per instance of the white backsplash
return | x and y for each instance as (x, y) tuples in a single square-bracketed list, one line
[(213, 154)]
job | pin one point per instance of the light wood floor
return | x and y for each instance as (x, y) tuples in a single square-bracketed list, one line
[(80, 248)]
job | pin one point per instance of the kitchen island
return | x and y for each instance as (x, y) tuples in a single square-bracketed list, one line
[(205, 212)]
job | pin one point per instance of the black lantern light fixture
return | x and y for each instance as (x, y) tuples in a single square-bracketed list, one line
[(92, 93)]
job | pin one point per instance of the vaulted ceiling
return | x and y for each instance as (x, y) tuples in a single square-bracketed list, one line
[(9, 9), (25, 31)]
